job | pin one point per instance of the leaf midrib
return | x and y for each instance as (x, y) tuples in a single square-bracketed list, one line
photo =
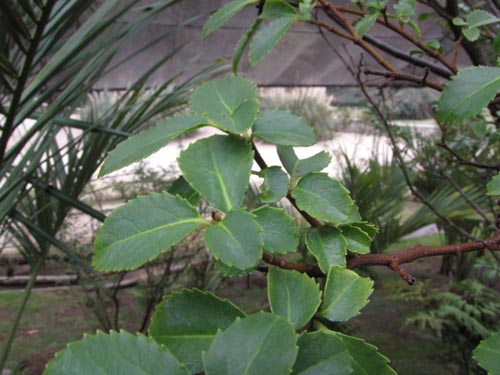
[(343, 292), (327, 203), (473, 93), (220, 179), (257, 351), (198, 220)]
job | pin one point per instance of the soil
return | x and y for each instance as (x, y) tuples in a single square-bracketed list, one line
[(381, 322)]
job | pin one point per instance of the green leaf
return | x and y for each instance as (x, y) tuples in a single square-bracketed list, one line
[(228, 271), (487, 354), (326, 199), (365, 357), (186, 323), (328, 246), (142, 229), (471, 33), (267, 37), (299, 168), (243, 43), (468, 93), (369, 229), (457, 21), (366, 23), (235, 240), (279, 231), (145, 143), (230, 103), (275, 185), (405, 9), (322, 353), (283, 128), (314, 163), (415, 28), (480, 128), (493, 187), (115, 354), (293, 295), (345, 294), (496, 45), (306, 7), (479, 18), (259, 344), (224, 14), (218, 168), (274, 9), (435, 45), (358, 240), (181, 188)]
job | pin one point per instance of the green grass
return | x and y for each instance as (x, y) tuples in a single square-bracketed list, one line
[(51, 320), (54, 318)]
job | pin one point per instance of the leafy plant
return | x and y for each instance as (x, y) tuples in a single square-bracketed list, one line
[(218, 167), (217, 337), (52, 54), (461, 317)]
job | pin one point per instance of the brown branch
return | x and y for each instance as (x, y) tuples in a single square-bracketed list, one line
[(393, 261), (398, 29), (463, 161), (444, 145), (312, 271), (406, 77), (464, 195), (402, 55), (354, 36), (456, 49), (421, 251), (331, 29)]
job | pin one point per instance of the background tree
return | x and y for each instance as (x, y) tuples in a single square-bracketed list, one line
[(194, 331), (52, 54)]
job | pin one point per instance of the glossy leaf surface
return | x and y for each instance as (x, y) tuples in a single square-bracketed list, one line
[(182, 188), (366, 23), (487, 354), (229, 103), (277, 9), (115, 354), (235, 240), (243, 43), (218, 168), (322, 353), (259, 344), (283, 128), (468, 93), (267, 37), (292, 295), (328, 247), (345, 294), (365, 357), (224, 14), (147, 142), (275, 185), (300, 167), (142, 229), (326, 199), (186, 323), (358, 241), (279, 231)]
